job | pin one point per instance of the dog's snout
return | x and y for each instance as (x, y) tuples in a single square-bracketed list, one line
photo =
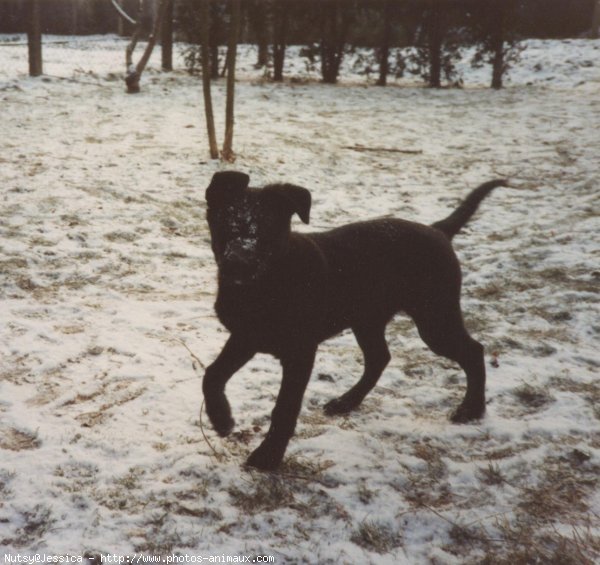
[(240, 251), (239, 262)]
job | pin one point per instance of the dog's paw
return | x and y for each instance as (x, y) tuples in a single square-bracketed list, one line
[(224, 427), (265, 458), (467, 413), (219, 415), (341, 405)]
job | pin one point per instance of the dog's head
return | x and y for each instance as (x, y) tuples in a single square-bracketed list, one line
[(250, 227)]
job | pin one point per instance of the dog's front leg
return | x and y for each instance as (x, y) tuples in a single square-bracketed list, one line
[(235, 354), (296, 374)]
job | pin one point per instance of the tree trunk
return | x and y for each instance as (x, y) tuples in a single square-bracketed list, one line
[(134, 74), (435, 48), (595, 30), (166, 38), (384, 53), (34, 38), (497, 41), (120, 26), (258, 16), (206, 75), (280, 38), (74, 18), (227, 154), (333, 40), (215, 29), (130, 74)]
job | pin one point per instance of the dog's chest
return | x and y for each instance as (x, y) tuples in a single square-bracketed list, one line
[(267, 315), (250, 309), (240, 308)]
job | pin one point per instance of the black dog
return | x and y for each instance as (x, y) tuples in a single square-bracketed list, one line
[(283, 293)]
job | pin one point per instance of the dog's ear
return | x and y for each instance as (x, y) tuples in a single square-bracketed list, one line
[(295, 199), (225, 184)]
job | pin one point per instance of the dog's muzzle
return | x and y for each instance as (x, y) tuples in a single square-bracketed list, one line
[(239, 263)]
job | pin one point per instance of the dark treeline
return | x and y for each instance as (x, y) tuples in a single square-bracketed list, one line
[(71, 17), (535, 18), (437, 31)]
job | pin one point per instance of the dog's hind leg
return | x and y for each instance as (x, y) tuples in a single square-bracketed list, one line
[(371, 339), (443, 330)]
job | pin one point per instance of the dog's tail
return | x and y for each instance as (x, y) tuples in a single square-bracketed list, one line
[(455, 221)]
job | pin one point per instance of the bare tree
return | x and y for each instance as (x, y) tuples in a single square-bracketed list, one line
[(435, 37), (384, 51), (227, 154), (217, 37), (595, 30), (134, 72), (135, 36), (493, 30), (166, 38), (258, 15), (34, 38), (497, 44), (438, 41), (281, 22), (334, 28), (206, 76)]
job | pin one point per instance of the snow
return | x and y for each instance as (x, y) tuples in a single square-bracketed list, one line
[(107, 278)]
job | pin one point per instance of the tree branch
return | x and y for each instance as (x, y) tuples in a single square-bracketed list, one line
[(123, 13)]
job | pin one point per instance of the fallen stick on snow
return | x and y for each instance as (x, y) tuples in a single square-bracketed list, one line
[(384, 149), (24, 43)]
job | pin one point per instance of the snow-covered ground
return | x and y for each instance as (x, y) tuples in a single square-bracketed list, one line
[(107, 284)]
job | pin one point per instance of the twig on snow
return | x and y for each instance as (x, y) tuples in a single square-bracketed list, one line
[(193, 355), (75, 80), (460, 527), (218, 456), (323, 482), (383, 149)]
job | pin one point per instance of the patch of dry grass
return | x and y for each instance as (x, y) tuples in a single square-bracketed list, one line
[(18, 440), (491, 475), (375, 536), (564, 489), (532, 397), (265, 492), (34, 524), (525, 542), (550, 523), (589, 391), (428, 487)]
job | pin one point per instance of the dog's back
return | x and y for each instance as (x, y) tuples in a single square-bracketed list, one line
[(377, 268)]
